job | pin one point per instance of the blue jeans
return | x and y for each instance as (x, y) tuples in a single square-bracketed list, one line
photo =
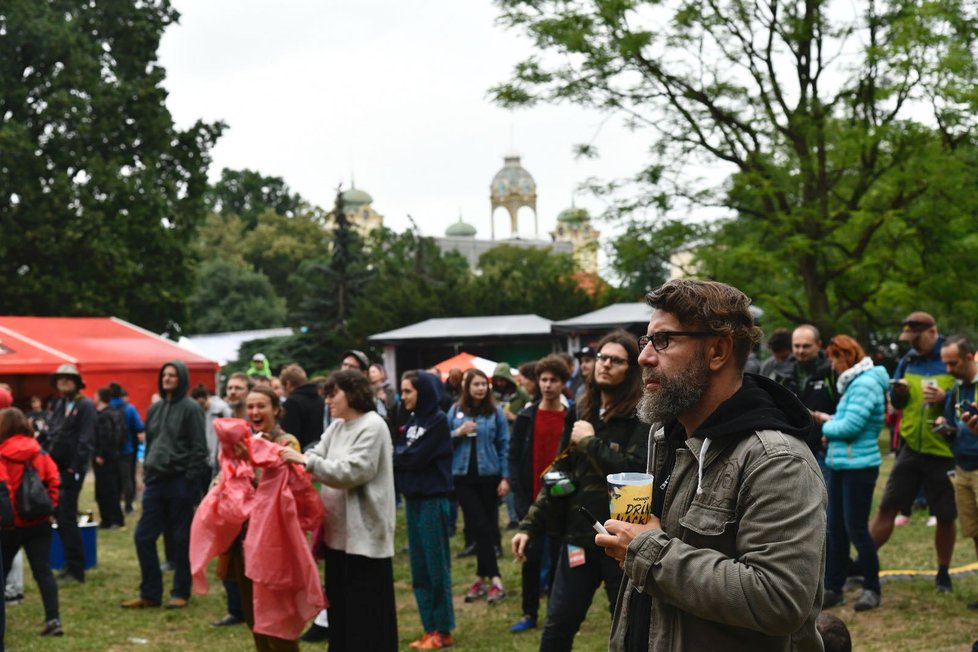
[(168, 505), (850, 496)]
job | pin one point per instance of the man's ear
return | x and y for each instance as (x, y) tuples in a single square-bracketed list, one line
[(720, 352)]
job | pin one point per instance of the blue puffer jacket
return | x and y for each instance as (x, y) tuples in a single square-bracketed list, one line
[(853, 432), (491, 442)]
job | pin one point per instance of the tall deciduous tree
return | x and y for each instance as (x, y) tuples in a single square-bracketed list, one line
[(835, 127), (100, 194), (248, 194), (411, 280), (232, 297), (518, 281)]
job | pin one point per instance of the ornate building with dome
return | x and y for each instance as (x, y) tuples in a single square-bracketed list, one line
[(360, 213), (512, 189), (574, 226)]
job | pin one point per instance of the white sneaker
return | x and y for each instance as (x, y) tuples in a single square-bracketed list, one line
[(932, 521)]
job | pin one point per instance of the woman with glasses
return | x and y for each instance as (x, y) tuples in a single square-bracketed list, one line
[(853, 459), (480, 470)]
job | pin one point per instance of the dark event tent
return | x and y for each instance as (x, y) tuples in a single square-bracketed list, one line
[(105, 349)]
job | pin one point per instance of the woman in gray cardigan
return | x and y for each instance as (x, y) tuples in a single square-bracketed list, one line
[(353, 461)]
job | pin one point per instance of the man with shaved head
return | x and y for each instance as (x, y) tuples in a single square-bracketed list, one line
[(810, 378)]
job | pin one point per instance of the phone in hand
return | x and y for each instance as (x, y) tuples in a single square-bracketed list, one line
[(968, 409)]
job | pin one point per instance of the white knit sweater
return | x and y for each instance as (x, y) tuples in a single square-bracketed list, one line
[(353, 460)]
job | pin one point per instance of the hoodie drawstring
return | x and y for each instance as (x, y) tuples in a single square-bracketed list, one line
[(703, 449)]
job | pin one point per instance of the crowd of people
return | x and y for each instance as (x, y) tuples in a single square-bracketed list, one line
[(764, 473)]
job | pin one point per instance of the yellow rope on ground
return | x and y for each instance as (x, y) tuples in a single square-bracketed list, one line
[(958, 570)]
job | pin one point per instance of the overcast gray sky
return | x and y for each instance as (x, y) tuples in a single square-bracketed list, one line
[(392, 92)]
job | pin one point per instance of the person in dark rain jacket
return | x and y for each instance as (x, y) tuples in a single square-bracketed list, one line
[(423, 474)]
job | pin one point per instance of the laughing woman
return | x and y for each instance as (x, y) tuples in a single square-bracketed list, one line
[(353, 461)]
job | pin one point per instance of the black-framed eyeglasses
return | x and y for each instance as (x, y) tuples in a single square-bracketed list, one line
[(661, 339), (614, 360)]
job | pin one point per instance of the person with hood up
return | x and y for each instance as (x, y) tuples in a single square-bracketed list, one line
[(732, 555), (423, 474), (175, 469), (259, 367), (18, 448), (510, 396), (853, 459)]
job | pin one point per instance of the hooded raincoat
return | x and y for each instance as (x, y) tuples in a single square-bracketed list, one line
[(176, 427)]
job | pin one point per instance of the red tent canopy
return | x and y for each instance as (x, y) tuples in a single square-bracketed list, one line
[(105, 349)]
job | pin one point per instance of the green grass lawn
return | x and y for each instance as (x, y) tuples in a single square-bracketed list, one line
[(913, 615)]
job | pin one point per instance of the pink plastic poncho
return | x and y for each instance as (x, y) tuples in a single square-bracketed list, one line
[(226, 507), (286, 587)]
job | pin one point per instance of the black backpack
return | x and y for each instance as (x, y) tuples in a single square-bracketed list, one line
[(112, 429), (32, 499)]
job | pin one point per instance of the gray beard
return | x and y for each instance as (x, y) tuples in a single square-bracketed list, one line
[(675, 395)]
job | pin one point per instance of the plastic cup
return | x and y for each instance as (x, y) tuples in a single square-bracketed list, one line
[(630, 497)]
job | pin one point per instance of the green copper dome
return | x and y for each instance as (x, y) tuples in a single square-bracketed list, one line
[(460, 230), (354, 198), (573, 216), (513, 179)]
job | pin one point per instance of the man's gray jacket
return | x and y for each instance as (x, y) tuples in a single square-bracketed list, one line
[(738, 563)]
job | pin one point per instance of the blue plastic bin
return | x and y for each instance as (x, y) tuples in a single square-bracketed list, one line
[(89, 535)]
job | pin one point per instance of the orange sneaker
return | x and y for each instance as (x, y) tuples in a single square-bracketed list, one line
[(417, 645), (437, 641)]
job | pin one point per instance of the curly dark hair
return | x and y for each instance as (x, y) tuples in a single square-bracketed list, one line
[(717, 307), (555, 364), (356, 386)]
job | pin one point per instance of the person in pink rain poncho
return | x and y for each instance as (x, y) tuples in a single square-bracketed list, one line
[(255, 518)]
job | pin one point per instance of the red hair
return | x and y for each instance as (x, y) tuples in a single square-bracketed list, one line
[(846, 348)]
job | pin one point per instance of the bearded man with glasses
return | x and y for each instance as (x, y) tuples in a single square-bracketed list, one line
[(608, 437), (732, 556)]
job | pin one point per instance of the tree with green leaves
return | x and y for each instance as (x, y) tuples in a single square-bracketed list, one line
[(248, 194), (515, 280), (411, 280), (275, 246), (100, 194), (231, 297), (826, 139), (330, 288)]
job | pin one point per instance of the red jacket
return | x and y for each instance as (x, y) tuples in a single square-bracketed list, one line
[(14, 452)]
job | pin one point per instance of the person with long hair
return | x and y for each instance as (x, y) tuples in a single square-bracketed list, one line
[(353, 461), (853, 459), (480, 471), (608, 437), (423, 473), (18, 448)]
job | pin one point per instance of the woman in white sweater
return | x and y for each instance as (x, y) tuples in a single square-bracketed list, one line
[(353, 461)]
